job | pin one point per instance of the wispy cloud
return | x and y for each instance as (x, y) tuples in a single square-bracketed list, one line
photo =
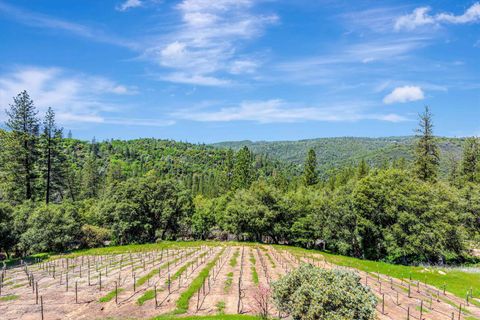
[(186, 78), (404, 94), (279, 111), (348, 62), (206, 43), (375, 20), (421, 17), (75, 97), (129, 4), (39, 20)]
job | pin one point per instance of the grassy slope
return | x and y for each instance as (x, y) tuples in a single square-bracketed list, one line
[(139, 248), (457, 281)]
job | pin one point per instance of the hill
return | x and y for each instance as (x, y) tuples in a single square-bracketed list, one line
[(341, 151)]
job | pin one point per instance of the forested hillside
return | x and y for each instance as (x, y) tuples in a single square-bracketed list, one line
[(343, 151), (59, 194)]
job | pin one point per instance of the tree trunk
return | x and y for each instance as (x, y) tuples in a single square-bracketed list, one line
[(49, 169)]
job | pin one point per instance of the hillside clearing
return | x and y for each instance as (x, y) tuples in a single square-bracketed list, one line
[(203, 280)]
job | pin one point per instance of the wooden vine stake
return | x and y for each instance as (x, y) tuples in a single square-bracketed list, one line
[(41, 306), (155, 292)]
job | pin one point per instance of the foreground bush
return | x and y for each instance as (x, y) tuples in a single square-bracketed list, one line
[(310, 293)]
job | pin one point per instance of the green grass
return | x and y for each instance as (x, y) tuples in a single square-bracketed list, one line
[(457, 282), (28, 259), (154, 272), (220, 307), (424, 310), (138, 248), (195, 285), (234, 260), (253, 269), (185, 267), (269, 257), (150, 294), (9, 297), (109, 296), (228, 282)]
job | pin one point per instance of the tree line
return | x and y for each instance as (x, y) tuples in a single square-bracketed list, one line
[(60, 194)]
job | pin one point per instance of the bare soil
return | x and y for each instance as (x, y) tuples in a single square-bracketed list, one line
[(228, 289)]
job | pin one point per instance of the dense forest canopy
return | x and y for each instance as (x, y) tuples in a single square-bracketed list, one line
[(58, 193), (339, 152)]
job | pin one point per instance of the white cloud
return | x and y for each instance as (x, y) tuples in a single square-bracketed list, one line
[(365, 52), (74, 97), (346, 64), (279, 111), (129, 4), (377, 19), (420, 17), (243, 66), (404, 94), (208, 40), (186, 78), (472, 14)]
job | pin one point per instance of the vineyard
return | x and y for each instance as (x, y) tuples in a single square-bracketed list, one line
[(201, 279)]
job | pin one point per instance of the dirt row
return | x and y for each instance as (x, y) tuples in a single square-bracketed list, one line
[(143, 285)]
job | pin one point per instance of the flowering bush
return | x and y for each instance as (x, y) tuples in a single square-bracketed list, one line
[(261, 298)]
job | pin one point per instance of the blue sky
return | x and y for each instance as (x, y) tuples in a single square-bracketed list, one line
[(215, 70)]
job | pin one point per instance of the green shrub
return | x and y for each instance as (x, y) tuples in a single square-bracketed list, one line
[(93, 236), (310, 293)]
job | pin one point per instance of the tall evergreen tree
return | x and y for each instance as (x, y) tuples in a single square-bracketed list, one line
[(91, 177), (427, 158), (21, 146), (53, 159), (310, 175), (243, 171), (453, 170), (362, 169), (471, 160), (228, 170)]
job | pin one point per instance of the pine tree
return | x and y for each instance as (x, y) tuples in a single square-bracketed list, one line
[(94, 148), (471, 160), (453, 170), (427, 159), (91, 177), (227, 173), (52, 166), (310, 175), (21, 152), (243, 171), (362, 169)]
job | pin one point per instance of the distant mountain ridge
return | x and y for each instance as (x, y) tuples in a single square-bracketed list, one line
[(341, 151)]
